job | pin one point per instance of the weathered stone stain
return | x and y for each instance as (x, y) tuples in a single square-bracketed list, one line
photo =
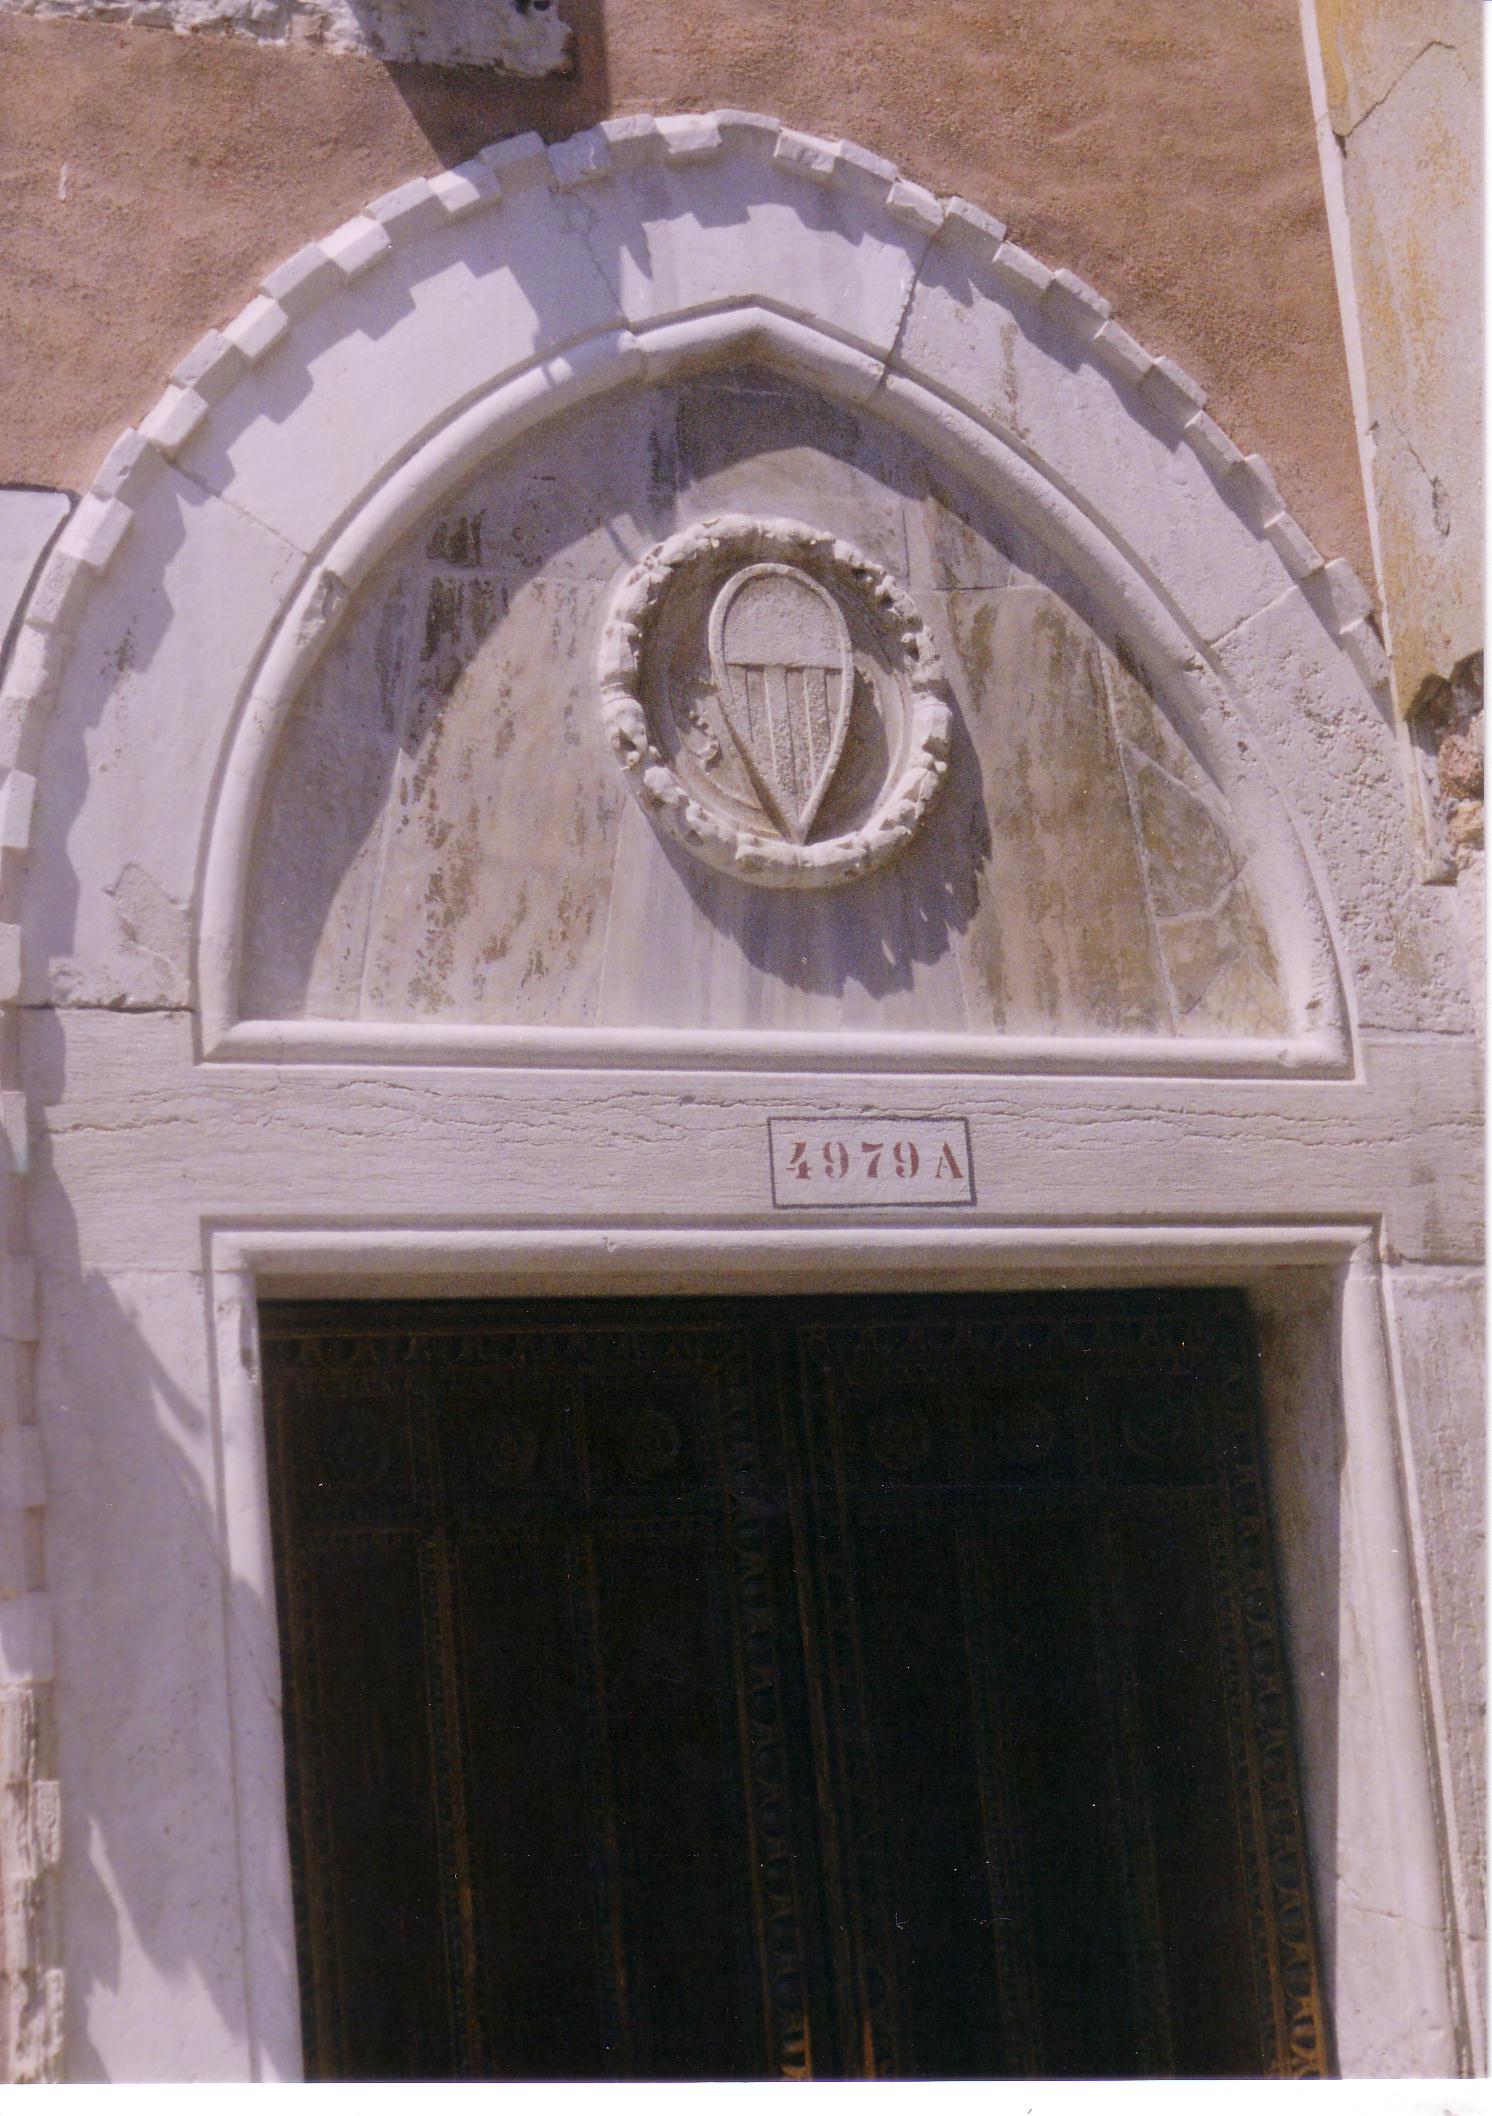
[(1080, 874)]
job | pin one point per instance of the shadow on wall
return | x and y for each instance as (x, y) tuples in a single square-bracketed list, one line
[(462, 108), (143, 1604)]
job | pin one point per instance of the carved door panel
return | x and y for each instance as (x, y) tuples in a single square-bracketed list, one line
[(1055, 1697), (779, 1689)]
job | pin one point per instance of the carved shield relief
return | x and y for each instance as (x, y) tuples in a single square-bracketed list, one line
[(775, 700), (784, 676)]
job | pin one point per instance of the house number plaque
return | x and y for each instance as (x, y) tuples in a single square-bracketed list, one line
[(819, 1163)]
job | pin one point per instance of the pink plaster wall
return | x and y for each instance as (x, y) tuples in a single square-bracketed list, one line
[(1162, 149)]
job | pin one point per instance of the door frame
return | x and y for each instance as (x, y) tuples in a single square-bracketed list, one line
[(1323, 1283)]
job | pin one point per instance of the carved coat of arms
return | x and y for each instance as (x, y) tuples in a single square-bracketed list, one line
[(784, 673), (774, 699)]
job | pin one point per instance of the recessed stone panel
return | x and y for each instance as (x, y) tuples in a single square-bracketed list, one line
[(445, 835)]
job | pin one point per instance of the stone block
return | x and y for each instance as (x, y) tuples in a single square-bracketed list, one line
[(1115, 347), (963, 222), (1076, 302), (96, 531), (1369, 656), (748, 129), (36, 659), (1173, 390), (357, 244), (140, 1675), (17, 799), (1347, 599), (1406, 83), (410, 211), (916, 205), (302, 281), (211, 368), (129, 469), (1439, 1321), (1217, 450), (1020, 272), (1294, 546), (1254, 491), (256, 329), (870, 175), (462, 191), (583, 159), (689, 137), (803, 250), (634, 139), (804, 155), (62, 588), (172, 420)]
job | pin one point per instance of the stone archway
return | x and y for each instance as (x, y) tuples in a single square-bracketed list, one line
[(220, 555)]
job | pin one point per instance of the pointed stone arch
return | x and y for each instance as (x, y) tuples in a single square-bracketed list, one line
[(449, 318), (223, 543), (378, 366)]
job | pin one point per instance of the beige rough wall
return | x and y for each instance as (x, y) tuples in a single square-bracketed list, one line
[(1403, 91), (1163, 150)]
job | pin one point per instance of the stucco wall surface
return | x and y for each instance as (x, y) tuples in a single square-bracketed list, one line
[(1403, 93), (1163, 151)]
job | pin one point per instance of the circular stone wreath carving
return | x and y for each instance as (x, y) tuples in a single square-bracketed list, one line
[(680, 730)]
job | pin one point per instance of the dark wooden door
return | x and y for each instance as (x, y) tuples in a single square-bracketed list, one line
[(770, 1688)]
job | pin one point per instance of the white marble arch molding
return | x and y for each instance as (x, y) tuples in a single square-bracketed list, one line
[(377, 369)]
